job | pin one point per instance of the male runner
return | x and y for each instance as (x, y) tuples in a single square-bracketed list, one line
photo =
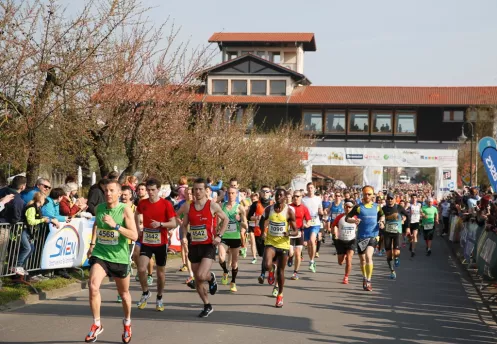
[(345, 243), (297, 241), (141, 194), (109, 255), (412, 231), (369, 216), (277, 219), (393, 231), (313, 203), (429, 215), (254, 197), (200, 216), (231, 239), (158, 218)]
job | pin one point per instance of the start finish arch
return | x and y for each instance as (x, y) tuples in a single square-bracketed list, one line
[(372, 160)]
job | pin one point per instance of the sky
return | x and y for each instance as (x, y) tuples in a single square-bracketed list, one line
[(360, 42)]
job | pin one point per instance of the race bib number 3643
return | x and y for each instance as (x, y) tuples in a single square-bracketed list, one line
[(107, 236)]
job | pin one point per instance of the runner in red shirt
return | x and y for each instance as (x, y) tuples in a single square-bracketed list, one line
[(158, 218), (297, 242)]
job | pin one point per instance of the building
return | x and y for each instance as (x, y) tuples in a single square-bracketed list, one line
[(351, 124)]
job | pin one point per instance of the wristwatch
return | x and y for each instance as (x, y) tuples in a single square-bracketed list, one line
[(117, 227), (219, 235)]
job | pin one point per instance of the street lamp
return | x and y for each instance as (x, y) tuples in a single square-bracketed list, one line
[(464, 138)]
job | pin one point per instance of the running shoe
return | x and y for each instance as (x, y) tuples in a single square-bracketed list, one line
[(397, 262), (317, 255), (270, 278), (295, 276), (312, 267), (276, 290), (243, 252), (206, 311), (369, 287), (413, 254), (261, 279), (364, 283), (393, 275), (383, 251), (410, 247), (126, 337), (191, 283), (119, 299), (345, 280), (279, 301), (224, 279), (254, 261), (95, 330), (183, 268), (403, 245), (213, 284), (233, 288), (143, 300), (159, 306), (150, 280), (428, 253), (380, 253), (290, 262)]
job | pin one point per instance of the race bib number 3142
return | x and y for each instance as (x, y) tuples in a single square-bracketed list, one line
[(151, 236)]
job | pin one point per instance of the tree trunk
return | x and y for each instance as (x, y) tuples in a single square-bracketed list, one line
[(33, 162), (102, 157)]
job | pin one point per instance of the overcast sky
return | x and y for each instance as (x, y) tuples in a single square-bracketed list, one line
[(362, 42)]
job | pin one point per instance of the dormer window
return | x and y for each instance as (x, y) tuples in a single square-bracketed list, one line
[(277, 87), (232, 55), (239, 87), (220, 87), (276, 57), (258, 87)]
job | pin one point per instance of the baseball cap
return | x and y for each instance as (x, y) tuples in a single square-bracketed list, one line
[(390, 195)]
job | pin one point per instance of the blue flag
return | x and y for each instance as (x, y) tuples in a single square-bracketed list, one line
[(489, 159)]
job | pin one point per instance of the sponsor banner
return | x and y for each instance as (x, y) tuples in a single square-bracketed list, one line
[(373, 176), (489, 159), (445, 181), (486, 142), (388, 157)]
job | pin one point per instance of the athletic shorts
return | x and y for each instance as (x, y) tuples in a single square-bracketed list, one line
[(309, 231), (259, 244), (297, 241), (160, 253), (111, 269), (250, 230), (391, 239), (232, 243), (428, 234), (198, 252), (343, 246), (279, 252), (414, 226), (365, 242)]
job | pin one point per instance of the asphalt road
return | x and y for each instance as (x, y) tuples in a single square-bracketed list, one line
[(430, 302)]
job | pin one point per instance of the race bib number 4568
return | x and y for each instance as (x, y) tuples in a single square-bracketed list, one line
[(107, 236)]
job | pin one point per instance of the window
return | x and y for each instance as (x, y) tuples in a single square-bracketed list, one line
[(335, 122), (277, 87), (239, 87), (232, 55), (313, 121), (238, 115), (261, 54), (358, 122), (219, 86), (405, 123), (275, 57), (382, 123), (453, 116), (258, 87)]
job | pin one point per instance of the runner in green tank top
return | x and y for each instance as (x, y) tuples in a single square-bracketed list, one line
[(231, 239), (109, 255)]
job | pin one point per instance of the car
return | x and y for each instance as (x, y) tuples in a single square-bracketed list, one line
[(404, 180)]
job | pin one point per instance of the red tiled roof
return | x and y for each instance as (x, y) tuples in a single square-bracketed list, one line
[(273, 37), (394, 95), (242, 99)]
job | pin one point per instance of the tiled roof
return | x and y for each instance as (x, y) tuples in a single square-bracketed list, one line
[(273, 37), (242, 99), (394, 95)]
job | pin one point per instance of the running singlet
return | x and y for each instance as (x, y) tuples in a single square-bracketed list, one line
[(415, 212), (336, 210), (368, 214), (429, 222), (160, 211), (313, 204), (346, 231), (233, 230), (110, 245), (202, 227), (278, 226), (393, 219)]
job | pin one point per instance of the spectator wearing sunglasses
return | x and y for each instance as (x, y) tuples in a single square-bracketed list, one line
[(42, 185)]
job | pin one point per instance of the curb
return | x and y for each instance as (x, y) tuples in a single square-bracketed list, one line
[(48, 295)]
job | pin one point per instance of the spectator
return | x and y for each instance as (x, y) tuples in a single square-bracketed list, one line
[(33, 218), (13, 211), (4, 200), (214, 188), (96, 195), (183, 186), (51, 207), (131, 181), (70, 206), (42, 185), (141, 193), (114, 175), (174, 199)]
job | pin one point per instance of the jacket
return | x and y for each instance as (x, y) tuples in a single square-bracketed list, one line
[(14, 210), (68, 209), (28, 194), (95, 197), (51, 210)]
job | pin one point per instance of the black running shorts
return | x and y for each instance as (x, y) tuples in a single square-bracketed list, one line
[(198, 252), (414, 226), (392, 239), (343, 246), (365, 243), (428, 234), (297, 241), (232, 243), (115, 270), (279, 252), (160, 253)]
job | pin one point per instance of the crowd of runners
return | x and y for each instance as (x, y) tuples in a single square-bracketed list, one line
[(278, 226)]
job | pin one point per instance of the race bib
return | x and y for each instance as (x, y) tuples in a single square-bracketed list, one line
[(428, 226), (277, 229), (347, 233), (415, 215), (151, 236), (199, 233), (392, 227), (363, 244), (251, 223), (107, 236), (232, 227), (334, 215), (315, 221)]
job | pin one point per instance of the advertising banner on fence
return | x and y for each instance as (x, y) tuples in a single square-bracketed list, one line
[(66, 247), (488, 154), (486, 258)]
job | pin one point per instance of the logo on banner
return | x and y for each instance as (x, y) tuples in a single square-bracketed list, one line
[(376, 172), (372, 157), (425, 157), (386, 157), (354, 156), (410, 152), (446, 158), (447, 174), (67, 243), (489, 158), (335, 156), (451, 185)]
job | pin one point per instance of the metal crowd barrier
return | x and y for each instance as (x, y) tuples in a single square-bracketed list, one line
[(10, 246)]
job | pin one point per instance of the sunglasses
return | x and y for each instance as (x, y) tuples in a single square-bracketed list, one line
[(389, 199), (297, 196), (266, 191), (46, 186)]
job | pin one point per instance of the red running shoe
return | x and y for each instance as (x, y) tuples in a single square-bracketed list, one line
[(95, 330), (279, 301), (270, 278), (127, 334)]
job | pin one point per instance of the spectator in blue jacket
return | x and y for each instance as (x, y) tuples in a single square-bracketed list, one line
[(42, 185), (14, 209), (51, 207)]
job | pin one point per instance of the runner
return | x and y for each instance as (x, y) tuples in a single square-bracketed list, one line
[(412, 231), (127, 199), (327, 199), (394, 214), (297, 241), (186, 265), (369, 216), (200, 215), (406, 206), (277, 219), (254, 247), (109, 256), (345, 243), (158, 218), (429, 215), (313, 203), (141, 194), (231, 239)]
